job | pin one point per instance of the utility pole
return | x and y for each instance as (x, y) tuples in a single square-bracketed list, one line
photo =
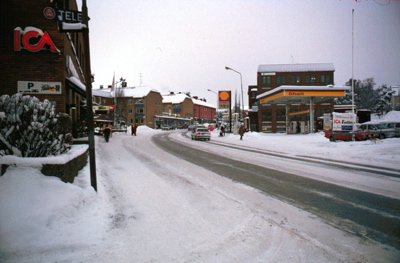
[(89, 109)]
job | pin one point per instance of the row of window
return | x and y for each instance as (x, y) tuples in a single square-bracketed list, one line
[(310, 80), (280, 115)]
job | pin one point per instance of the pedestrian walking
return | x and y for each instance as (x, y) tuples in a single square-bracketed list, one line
[(107, 133), (222, 132), (134, 129), (242, 130)]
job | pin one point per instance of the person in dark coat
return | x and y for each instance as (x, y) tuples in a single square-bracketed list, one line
[(134, 129), (242, 130), (222, 130), (107, 133)]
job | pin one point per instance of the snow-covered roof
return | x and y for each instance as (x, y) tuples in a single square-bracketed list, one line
[(105, 93), (138, 92), (202, 103), (175, 98), (296, 67)]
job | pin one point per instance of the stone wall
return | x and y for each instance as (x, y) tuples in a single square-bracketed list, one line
[(68, 171)]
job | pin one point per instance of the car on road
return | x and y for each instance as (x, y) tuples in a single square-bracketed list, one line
[(346, 136), (201, 134), (192, 127), (167, 127)]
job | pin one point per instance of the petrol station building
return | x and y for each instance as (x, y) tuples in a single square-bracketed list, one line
[(302, 101), (38, 58), (291, 97)]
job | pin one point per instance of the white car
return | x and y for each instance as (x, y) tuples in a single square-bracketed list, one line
[(201, 134)]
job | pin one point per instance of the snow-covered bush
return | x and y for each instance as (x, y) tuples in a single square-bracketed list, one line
[(30, 128)]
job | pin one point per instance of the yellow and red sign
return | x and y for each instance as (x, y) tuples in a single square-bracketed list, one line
[(224, 99)]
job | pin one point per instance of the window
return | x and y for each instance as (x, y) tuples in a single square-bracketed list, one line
[(139, 110), (326, 80), (295, 80), (266, 81), (266, 115), (130, 111), (129, 102), (253, 94), (280, 80), (310, 80), (281, 115)]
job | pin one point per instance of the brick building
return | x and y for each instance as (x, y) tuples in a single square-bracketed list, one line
[(272, 117), (37, 59), (137, 105)]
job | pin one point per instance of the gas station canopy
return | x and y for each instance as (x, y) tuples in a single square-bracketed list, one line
[(301, 94)]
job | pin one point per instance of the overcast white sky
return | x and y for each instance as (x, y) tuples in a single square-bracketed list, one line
[(184, 46)]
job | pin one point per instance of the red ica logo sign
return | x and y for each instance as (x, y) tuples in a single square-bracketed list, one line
[(33, 39)]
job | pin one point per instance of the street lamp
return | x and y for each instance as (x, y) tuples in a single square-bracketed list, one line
[(216, 107), (241, 86), (115, 99)]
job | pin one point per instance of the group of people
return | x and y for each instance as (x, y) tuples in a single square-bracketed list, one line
[(242, 130), (107, 131)]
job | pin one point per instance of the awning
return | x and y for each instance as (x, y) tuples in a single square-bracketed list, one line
[(76, 85), (301, 94)]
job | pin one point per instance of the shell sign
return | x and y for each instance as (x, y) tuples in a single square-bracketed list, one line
[(224, 99), (33, 39)]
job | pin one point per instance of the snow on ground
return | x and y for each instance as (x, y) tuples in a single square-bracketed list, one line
[(153, 207)]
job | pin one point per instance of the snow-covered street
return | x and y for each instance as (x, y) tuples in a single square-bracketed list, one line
[(154, 207)]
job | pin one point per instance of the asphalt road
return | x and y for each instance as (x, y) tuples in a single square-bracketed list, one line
[(360, 213)]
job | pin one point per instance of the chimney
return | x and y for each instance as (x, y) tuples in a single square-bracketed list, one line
[(171, 93), (110, 86), (195, 97), (101, 87)]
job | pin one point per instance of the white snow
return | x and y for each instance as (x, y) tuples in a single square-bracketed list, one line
[(154, 207)]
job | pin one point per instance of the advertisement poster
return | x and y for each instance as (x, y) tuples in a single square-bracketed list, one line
[(36, 87)]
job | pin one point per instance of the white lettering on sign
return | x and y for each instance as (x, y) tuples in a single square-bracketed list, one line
[(23, 39)]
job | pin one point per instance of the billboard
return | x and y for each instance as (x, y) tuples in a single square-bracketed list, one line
[(343, 121)]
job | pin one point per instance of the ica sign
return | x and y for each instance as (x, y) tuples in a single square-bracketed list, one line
[(33, 39)]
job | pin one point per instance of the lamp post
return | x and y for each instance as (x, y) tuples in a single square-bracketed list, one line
[(115, 99), (241, 86), (216, 107), (88, 78)]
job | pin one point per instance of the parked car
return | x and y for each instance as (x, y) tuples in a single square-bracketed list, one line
[(346, 136), (183, 126), (201, 134), (393, 128), (379, 130), (167, 127)]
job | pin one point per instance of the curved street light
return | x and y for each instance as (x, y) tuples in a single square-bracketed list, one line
[(241, 86)]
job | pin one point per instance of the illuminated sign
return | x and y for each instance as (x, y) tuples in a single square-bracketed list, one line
[(33, 39), (37, 87), (224, 99)]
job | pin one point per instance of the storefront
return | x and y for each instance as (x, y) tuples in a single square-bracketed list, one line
[(39, 60)]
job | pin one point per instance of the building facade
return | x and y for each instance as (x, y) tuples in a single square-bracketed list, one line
[(272, 117), (39, 60)]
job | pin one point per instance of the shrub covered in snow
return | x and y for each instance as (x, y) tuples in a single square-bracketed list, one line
[(30, 128)]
